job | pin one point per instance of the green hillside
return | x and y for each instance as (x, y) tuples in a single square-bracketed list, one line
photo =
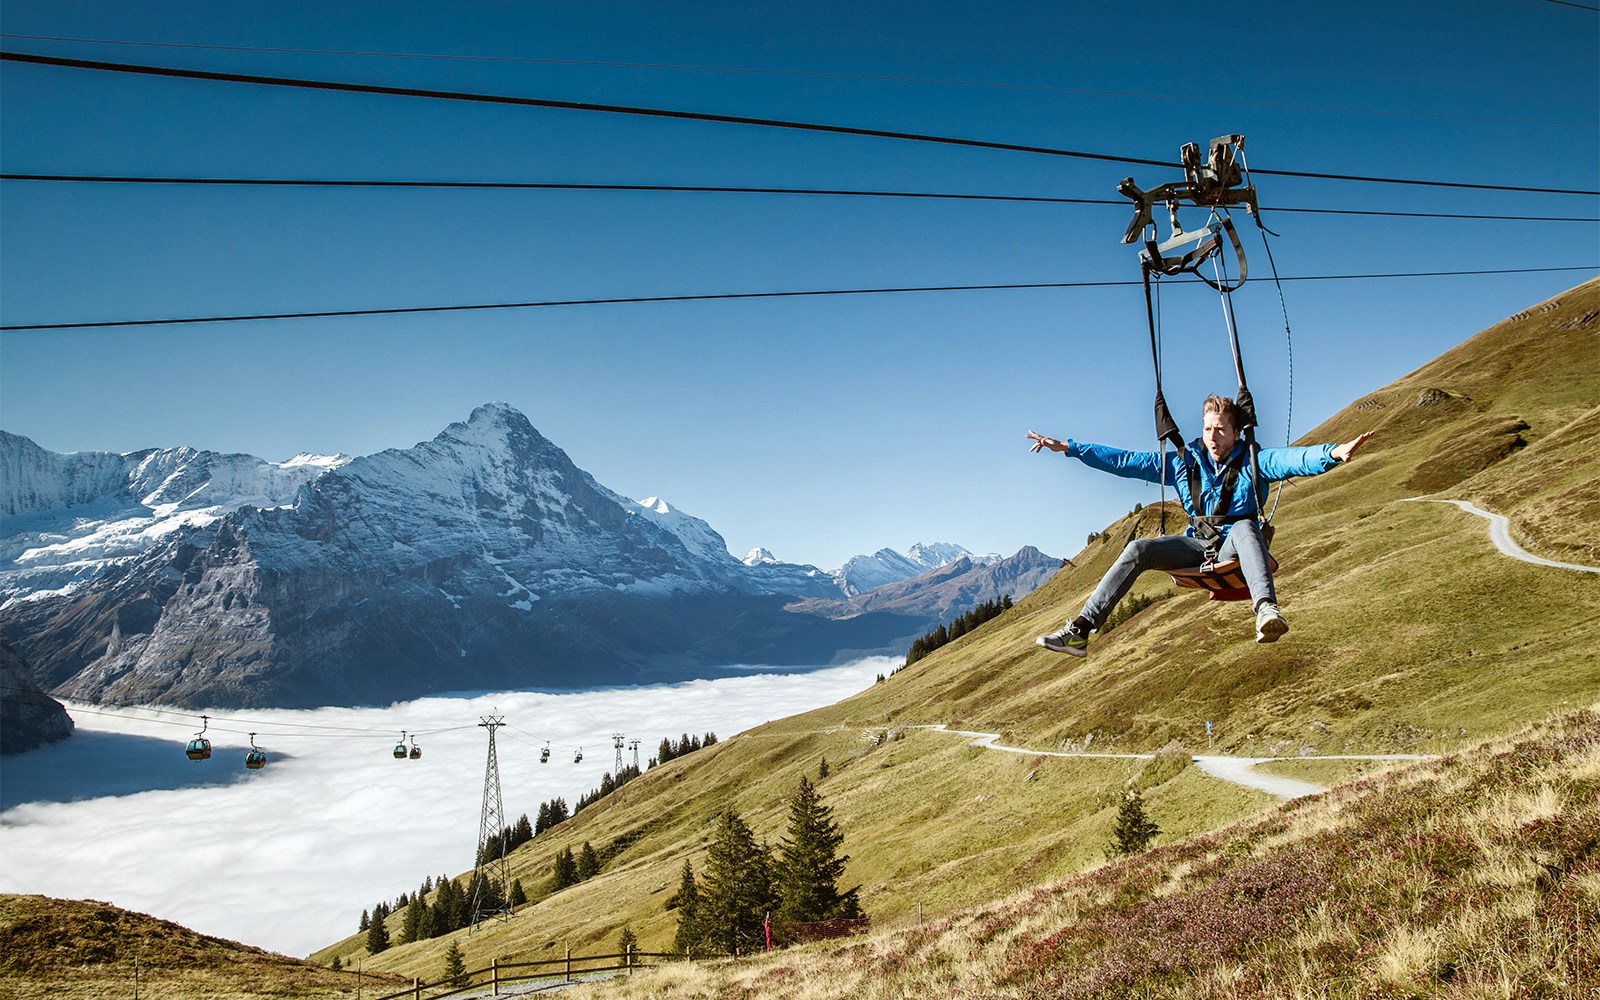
[(1410, 633), (57, 948)]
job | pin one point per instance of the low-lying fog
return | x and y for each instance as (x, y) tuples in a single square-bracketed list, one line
[(288, 856)]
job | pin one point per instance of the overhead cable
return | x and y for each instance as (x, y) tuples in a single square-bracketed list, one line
[(715, 296), (718, 189), (450, 95), (870, 77)]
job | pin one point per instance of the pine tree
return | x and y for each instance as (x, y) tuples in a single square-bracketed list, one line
[(822, 769), (687, 902), (566, 870), (627, 941), (336, 965), (1134, 829), (366, 922), (809, 864), (377, 935), (411, 929), (519, 897), (523, 832), (588, 863), (449, 907), (455, 966), (542, 823), (737, 892)]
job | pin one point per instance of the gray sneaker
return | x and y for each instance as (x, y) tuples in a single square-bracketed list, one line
[(1066, 640), (1269, 622)]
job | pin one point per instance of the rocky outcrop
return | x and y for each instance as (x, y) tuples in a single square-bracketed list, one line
[(28, 717)]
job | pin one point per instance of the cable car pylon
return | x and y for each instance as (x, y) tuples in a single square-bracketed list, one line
[(491, 879)]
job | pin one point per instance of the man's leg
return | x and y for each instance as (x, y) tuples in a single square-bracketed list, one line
[(1245, 544), (1164, 552)]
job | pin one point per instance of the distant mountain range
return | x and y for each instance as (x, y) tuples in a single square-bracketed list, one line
[(482, 558)]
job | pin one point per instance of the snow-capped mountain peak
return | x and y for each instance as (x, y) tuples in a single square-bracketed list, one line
[(759, 557)]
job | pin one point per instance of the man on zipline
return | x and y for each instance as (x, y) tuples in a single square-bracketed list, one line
[(1230, 532)]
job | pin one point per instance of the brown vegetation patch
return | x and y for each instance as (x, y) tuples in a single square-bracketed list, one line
[(1467, 452)]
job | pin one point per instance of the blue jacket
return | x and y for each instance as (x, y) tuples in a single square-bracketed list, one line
[(1276, 464)]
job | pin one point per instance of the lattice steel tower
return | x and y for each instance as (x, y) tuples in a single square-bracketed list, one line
[(491, 827), (617, 740)]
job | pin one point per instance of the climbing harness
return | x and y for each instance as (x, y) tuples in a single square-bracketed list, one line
[(1216, 183)]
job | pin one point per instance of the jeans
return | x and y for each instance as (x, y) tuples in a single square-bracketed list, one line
[(1182, 552)]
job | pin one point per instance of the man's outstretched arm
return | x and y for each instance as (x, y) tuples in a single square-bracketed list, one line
[(1345, 452)]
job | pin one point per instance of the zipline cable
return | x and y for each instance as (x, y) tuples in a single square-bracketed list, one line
[(878, 78), (724, 296), (718, 189), (451, 95)]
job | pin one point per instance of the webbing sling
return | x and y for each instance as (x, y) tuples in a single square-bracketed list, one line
[(1206, 526)]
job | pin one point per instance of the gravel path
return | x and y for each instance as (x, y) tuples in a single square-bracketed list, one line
[(1238, 770), (1500, 535)]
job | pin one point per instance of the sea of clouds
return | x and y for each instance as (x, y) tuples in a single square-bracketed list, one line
[(288, 856)]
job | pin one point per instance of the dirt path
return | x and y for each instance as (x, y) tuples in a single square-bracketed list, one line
[(1238, 770), (1500, 535)]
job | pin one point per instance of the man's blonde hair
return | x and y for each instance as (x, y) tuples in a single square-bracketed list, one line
[(1227, 408)]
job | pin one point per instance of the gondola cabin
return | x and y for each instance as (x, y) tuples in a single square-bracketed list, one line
[(399, 751), (544, 755), (199, 749), (578, 759), (255, 760), (416, 752)]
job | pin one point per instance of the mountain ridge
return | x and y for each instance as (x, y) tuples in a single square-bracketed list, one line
[(483, 557)]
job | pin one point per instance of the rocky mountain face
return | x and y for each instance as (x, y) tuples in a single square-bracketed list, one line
[(952, 587), (482, 558), (28, 716)]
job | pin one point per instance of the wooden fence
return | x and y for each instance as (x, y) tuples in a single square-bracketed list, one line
[(499, 973)]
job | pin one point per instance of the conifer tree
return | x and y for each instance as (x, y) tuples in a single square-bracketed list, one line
[(566, 870), (687, 902), (822, 769), (335, 965), (377, 935), (366, 922), (809, 864), (455, 965), (523, 832), (1134, 829), (411, 928), (588, 863), (737, 892), (627, 941)]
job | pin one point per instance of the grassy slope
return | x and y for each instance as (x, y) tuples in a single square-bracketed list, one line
[(1477, 875), (82, 949), (1410, 633)]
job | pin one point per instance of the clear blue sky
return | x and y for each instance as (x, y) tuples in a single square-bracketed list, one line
[(821, 427)]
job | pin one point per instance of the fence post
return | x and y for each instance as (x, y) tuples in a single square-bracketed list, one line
[(630, 959), (569, 963), (416, 988), (494, 971)]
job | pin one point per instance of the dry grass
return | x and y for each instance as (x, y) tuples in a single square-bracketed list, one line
[(72, 949), (1477, 875)]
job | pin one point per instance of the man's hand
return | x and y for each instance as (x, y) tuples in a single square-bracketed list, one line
[(1345, 452), (1040, 441)]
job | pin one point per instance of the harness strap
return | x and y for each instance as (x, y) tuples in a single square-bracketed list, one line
[(1206, 526)]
